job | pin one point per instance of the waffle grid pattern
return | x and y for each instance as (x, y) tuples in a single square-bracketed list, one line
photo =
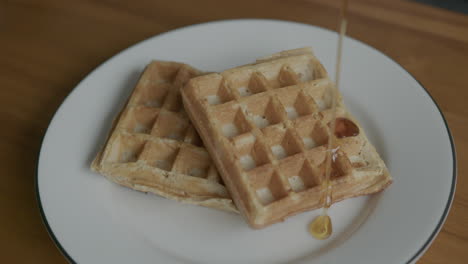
[(273, 129), (154, 135)]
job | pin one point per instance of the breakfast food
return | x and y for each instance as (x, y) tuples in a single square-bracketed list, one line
[(154, 148), (266, 128)]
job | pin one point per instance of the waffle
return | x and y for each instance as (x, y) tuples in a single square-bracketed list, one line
[(266, 128), (154, 148)]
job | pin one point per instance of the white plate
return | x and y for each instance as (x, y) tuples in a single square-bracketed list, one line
[(95, 221)]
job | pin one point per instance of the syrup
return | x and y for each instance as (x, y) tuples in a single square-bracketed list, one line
[(345, 128), (321, 226)]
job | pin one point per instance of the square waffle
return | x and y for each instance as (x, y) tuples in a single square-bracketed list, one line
[(266, 128), (154, 148)]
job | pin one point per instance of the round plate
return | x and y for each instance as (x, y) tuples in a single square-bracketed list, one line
[(96, 221)]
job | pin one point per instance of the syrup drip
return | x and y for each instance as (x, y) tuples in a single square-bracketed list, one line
[(321, 226)]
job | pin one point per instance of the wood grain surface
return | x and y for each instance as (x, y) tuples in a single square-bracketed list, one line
[(48, 46)]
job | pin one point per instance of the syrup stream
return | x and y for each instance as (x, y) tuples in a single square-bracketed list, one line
[(321, 226)]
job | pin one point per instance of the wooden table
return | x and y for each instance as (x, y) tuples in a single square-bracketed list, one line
[(48, 46)]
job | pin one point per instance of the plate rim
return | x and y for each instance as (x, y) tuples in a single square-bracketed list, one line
[(416, 255)]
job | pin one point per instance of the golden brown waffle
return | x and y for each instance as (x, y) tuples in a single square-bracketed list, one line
[(154, 148), (265, 126)]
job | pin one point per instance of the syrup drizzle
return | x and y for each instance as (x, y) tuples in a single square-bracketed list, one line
[(321, 226)]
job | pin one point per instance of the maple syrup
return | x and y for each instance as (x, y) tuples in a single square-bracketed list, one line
[(345, 128), (321, 227)]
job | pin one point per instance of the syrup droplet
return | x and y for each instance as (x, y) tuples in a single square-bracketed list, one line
[(345, 128), (321, 227)]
